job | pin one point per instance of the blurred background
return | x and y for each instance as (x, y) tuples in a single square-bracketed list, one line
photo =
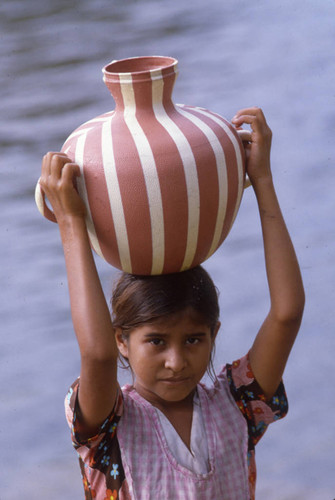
[(276, 55)]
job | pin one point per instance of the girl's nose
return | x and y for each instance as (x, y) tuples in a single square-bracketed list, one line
[(175, 360)]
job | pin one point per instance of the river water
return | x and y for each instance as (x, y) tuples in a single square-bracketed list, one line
[(232, 54)]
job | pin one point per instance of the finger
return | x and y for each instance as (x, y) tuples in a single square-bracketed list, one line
[(253, 117), (253, 111), (70, 172), (258, 126), (48, 161), (56, 166)]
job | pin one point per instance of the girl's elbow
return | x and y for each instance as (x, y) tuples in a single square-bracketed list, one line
[(291, 313), (300, 306)]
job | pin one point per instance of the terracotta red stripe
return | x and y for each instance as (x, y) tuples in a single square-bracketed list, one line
[(134, 198), (173, 186), (208, 183), (98, 197), (240, 176), (232, 169), (169, 82)]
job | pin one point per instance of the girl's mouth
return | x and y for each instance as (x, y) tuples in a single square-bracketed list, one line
[(175, 380)]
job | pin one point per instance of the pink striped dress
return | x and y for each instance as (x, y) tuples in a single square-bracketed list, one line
[(130, 457)]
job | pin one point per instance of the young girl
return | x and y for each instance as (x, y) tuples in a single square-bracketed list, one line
[(168, 436)]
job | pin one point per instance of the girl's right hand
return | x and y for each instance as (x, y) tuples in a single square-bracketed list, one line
[(58, 183), (258, 142)]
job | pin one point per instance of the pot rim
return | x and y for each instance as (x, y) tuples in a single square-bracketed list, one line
[(149, 66)]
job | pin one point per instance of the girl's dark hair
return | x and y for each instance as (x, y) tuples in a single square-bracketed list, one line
[(137, 300)]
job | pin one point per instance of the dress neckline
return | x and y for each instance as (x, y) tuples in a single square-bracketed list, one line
[(208, 429)]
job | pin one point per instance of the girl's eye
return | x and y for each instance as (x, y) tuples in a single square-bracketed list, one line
[(193, 340), (156, 342)]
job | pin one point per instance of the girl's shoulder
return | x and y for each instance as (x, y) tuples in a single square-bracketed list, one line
[(258, 411), (236, 374)]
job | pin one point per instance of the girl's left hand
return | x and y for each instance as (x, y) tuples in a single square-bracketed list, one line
[(58, 182), (257, 143)]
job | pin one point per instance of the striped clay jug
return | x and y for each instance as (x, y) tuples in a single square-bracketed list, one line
[(162, 182)]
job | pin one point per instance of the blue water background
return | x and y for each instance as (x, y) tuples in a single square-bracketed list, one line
[(277, 55)]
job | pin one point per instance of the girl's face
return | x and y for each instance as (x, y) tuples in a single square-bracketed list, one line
[(168, 357)]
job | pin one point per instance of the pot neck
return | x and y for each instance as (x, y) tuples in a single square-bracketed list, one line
[(141, 82)]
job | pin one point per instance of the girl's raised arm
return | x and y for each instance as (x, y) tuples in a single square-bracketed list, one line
[(90, 314), (272, 346)]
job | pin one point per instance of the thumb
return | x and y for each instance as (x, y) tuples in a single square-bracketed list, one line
[(245, 135)]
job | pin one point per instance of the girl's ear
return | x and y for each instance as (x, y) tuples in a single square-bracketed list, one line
[(121, 342)]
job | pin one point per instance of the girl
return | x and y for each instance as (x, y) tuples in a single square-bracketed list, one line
[(168, 436)]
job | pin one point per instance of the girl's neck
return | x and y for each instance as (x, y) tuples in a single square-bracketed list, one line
[(167, 407)]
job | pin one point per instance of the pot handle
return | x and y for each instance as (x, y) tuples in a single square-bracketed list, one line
[(41, 205), (245, 136)]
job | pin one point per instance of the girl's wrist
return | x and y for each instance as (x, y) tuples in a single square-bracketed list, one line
[(262, 182), (71, 224)]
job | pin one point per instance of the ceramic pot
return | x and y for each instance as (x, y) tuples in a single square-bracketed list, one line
[(162, 182)]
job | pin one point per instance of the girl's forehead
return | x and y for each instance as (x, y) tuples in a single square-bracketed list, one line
[(187, 317)]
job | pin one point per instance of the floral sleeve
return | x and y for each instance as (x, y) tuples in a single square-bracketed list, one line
[(99, 456), (250, 399)]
